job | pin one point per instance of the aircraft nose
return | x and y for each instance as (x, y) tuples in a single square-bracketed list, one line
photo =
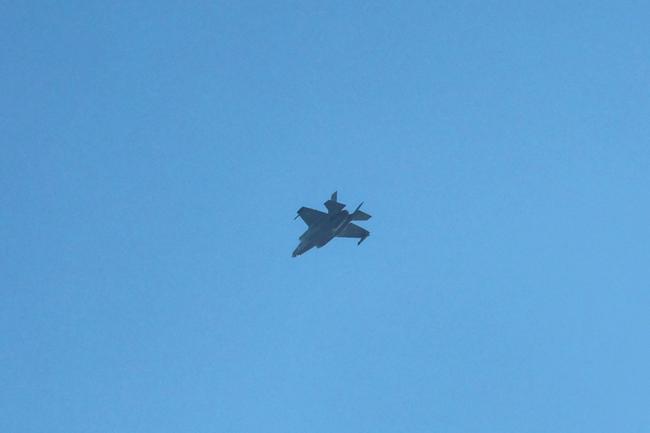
[(301, 248)]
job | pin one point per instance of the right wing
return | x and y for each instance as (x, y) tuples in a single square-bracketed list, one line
[(353, 231), (310, 216)]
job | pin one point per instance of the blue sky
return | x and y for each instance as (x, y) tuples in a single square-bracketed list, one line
[(153, 157)]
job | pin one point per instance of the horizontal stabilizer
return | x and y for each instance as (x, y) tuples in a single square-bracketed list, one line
[(360, 215)]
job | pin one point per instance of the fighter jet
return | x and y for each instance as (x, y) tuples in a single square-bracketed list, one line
[(323, 227)]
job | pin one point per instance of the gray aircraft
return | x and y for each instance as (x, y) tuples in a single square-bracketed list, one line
[(323, 227)]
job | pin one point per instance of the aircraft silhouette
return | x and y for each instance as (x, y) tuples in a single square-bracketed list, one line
[(323, 227)]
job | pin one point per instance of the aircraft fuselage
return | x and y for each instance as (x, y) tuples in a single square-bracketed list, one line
[(321, 233)]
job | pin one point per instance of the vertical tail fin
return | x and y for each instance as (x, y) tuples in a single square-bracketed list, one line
[(333, 205), (359, 215)]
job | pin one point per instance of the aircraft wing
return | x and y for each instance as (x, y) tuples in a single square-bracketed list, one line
[(310, 216), (353, 231)]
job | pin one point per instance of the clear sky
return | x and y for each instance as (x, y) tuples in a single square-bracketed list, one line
[(153, 155)]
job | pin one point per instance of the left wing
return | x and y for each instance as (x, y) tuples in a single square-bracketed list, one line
[(353, 231), (310, 216)]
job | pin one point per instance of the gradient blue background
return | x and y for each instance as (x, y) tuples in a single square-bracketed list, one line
[(153, 155)]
